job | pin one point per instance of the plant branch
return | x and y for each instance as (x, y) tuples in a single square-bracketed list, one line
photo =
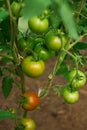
[(51, 76), (80, 38), (11, 23), (7, 56), (80, 8)]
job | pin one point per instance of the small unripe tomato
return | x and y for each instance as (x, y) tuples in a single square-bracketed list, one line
[(70, 96), (22, 44)]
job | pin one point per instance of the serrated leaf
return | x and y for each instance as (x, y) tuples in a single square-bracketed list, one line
[(6, 115), (67, 17), (63, 69), (7, 86), (33, 7)]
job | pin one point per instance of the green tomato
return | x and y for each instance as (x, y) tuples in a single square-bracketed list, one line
[(70, 96), (42, 53), (28, 124), (54, 42), (77, 78), (33, 68), (25, 44), (16, 8), (38, 25), (22, 44)]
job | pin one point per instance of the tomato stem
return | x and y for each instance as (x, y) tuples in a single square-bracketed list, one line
[(80, 8), (80, 38), (59, 61)]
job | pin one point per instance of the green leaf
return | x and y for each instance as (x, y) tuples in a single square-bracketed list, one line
[(23, 24), (5, 60), (55, 20), (4, 48), (34, 7), (67, 17), (81, 46), (7, 86), (3, 14), (5, 29), (63, 68), (11, 70), (6, 115)]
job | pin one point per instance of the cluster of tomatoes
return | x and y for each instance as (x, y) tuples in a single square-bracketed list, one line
[(30, 101), (77, 80), (40, 44)]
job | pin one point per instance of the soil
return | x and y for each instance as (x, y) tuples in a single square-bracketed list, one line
[(53, 112)]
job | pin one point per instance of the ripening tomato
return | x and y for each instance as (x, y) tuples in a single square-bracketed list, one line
[(70, 96), (38, 25), (33, 68), (28, 124), (77, 78), (31, 101)]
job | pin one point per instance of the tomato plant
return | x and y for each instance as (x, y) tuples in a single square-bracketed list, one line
[(38, 25), (31, 101), (33, 68), (31, 34), (22, 43)]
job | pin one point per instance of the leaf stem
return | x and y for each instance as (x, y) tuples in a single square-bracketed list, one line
[(13, 36), (80, 38), (80, 8)]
